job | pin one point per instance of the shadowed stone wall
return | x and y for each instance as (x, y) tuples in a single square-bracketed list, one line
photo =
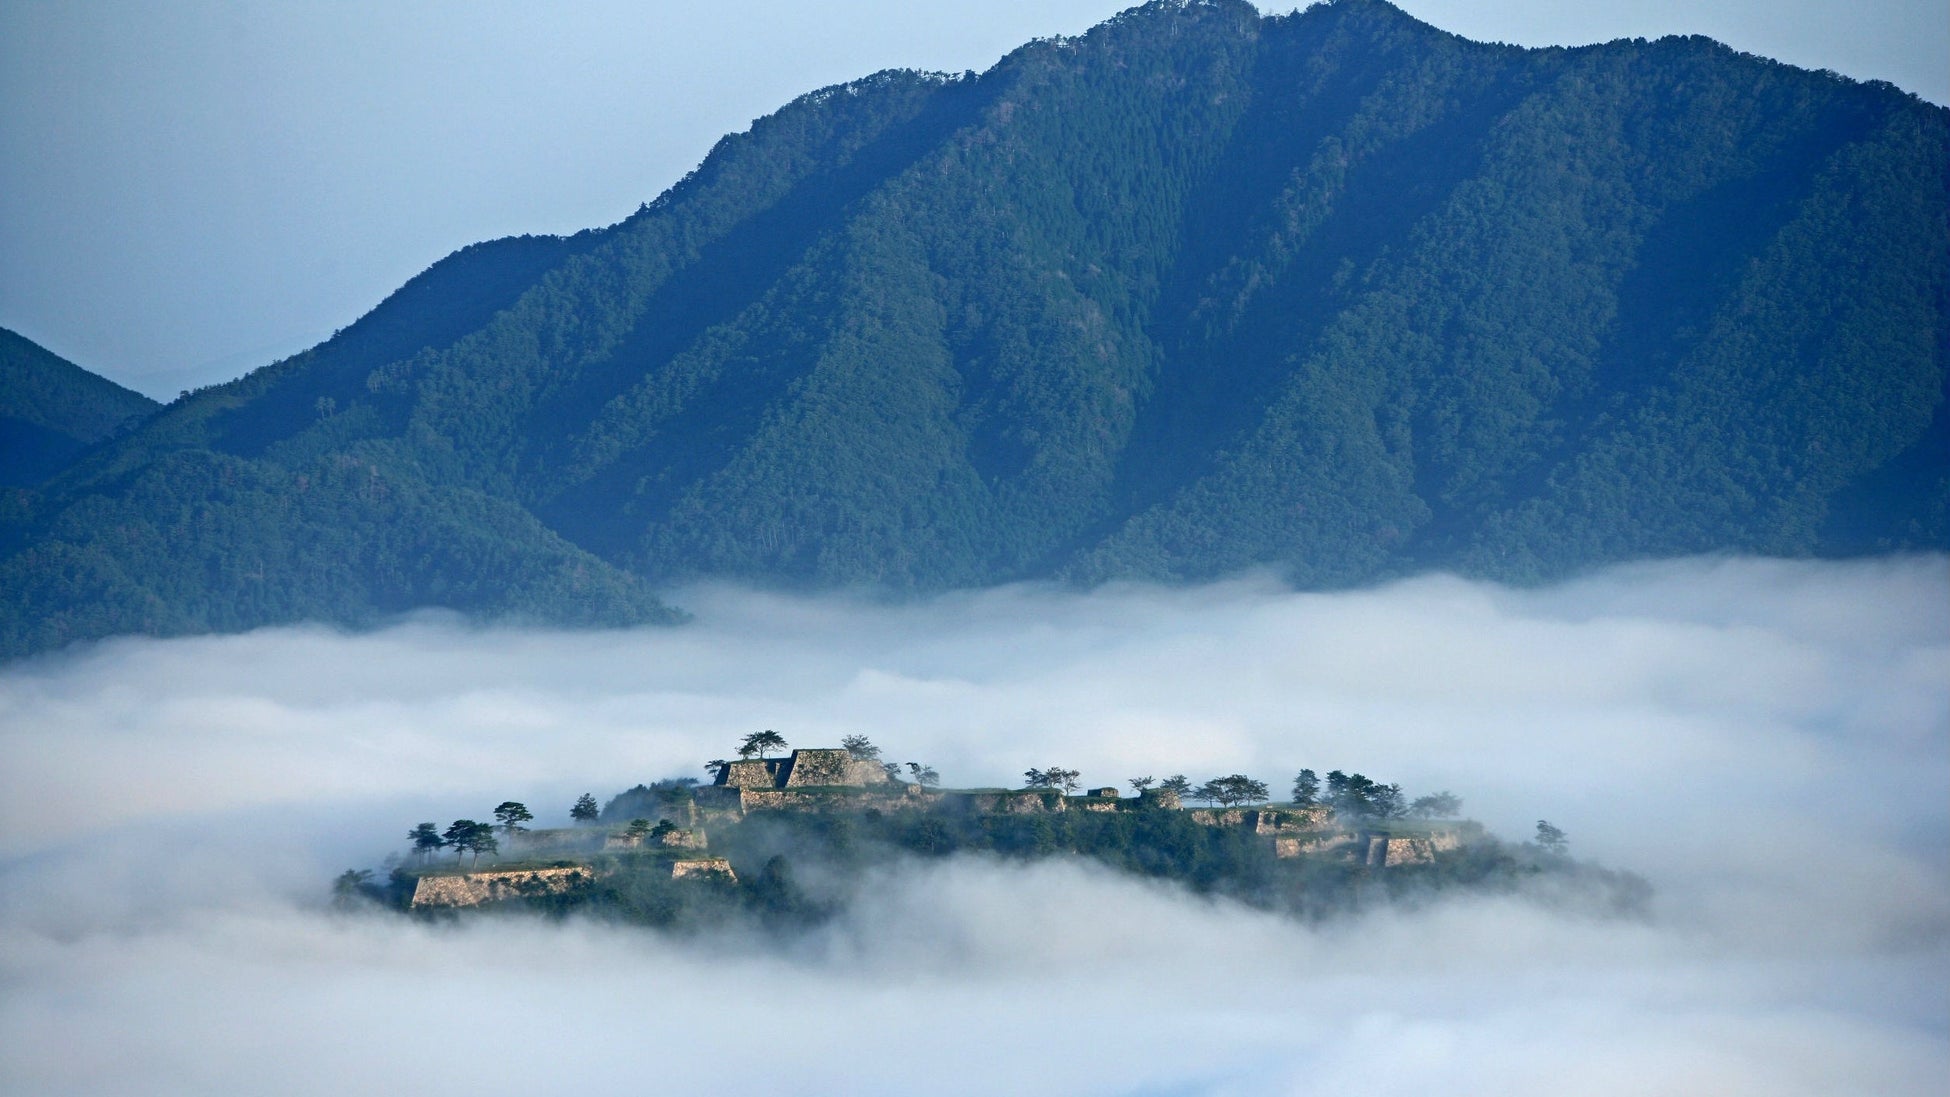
[(751, 773)]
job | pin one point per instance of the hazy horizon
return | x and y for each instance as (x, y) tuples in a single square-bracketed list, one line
[(1766, 741), (196, 190)]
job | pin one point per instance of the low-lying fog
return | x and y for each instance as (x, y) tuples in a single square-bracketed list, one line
[(1767, 742)]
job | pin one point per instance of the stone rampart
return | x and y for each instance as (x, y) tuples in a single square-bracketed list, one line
[(886, 798), (474, 888), (750, 773), (703, 868), (1219, 817), (1297, 846), (825, 767), (1388, 852), (1310, 817), (679, 838), (1011, 802), (714, 798), (1262, 820), (1269, 822)]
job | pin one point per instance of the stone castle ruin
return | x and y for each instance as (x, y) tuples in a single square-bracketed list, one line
[(821, 767), (816, 779), (474, 888), (703, 868), (831, 779)]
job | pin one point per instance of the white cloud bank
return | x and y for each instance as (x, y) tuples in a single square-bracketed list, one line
[(1768, 742)]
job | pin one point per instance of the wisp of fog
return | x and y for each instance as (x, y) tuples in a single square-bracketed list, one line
[(1767, 742)]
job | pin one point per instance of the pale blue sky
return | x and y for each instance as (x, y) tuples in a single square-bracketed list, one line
[(192, 188)]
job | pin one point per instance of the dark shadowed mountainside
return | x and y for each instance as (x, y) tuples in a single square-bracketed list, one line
[(51, 410), (1335, 292)]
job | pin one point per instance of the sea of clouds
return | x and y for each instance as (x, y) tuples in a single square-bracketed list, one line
[(1767, 742)]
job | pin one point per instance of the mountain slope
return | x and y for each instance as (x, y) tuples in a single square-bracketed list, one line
[(1196, 291), (51, 410)]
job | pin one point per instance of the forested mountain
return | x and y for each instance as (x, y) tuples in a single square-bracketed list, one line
[(51, 410), (1201, 289)]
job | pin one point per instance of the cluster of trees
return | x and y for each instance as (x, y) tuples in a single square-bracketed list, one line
[(465, 836), (1055, 777), (1550, 839), (862, 749), (758, 742), (655, 800), (1358, 796), (1352, 795), (1233, 789), (1227, 791)]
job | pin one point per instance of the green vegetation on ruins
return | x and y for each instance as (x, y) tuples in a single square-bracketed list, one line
[(792, 840)]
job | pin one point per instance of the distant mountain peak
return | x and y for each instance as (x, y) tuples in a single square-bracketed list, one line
[(1199, 290), (52, 410)]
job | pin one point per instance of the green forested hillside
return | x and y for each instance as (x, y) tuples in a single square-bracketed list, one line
[(51, 410), (1199, 290)]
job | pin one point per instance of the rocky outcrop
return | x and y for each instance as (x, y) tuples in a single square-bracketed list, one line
[(474, 888)]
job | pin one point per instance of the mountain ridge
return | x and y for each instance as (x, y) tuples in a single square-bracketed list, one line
[(51, 411), (1196, 291)]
